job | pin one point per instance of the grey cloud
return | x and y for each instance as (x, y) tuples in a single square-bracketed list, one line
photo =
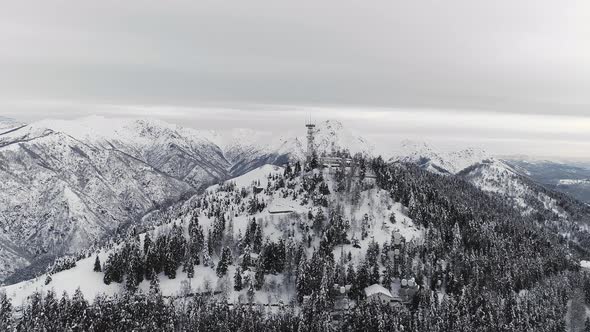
[(525, 56), (255, 58)]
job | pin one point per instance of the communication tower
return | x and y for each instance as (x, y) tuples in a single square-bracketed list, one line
[(310, 139)]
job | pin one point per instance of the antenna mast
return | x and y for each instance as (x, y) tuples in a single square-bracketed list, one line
[(310, 138)]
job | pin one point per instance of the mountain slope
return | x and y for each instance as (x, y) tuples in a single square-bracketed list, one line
[(529, 197), (70, 183), (67, 184), (371, 212), (513, 182), (248, 149), (569, 178), (310, 244), (61, 195)]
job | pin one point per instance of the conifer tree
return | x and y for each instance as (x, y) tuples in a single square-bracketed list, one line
[(250, 293), (259, 276), (154, 283), (189, 267), (363, 277), (238, 280), (375, 274), (257, 242), (50, 309), (170, 266), (79, 310), (207, 261), (224, 262), (302, 279), (108, 270), (147, 242), (5, 312), (392, 218), (288, 171), (130, 279), (318, 220), (246, 258), (350, 275), (48, 280), (362, 169), (196, 241), (388, 276), (97, 266), (297, 168)]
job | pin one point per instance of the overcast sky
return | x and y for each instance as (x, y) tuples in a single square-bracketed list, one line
[(511, 76)]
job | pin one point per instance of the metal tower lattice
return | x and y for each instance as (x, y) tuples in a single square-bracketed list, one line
[(310, 139)]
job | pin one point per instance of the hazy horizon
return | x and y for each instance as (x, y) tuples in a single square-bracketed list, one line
[(512, 77), (384, 128)]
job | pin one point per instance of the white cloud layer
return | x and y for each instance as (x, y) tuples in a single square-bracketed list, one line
[(542, 135), (512, 75)]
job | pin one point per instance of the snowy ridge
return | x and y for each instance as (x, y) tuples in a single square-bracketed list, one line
[(258, 175), (331, 136), (497, 177), (68, 183), (61, 195), (247, 149), (429, 158)]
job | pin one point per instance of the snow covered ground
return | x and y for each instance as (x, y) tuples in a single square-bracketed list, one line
[(568, 182), (375, 206), (259, 175)]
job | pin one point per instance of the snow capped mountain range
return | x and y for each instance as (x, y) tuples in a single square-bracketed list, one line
[(492, 175), (61, 193), (331, 136), (429, 158), (68, 183), (159, 214)]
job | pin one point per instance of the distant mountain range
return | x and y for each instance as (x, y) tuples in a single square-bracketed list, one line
[(528, 191), (570, 178), (430, 158), (70, 183)]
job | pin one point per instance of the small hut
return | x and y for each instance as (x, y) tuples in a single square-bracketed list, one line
[(378, 293)]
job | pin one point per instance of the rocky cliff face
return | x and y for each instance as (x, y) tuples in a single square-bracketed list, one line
[(60, 193)]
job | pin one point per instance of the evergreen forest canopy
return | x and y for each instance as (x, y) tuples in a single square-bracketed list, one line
[(482, 265)]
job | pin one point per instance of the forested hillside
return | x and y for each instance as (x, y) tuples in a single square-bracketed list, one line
[(296, 248)]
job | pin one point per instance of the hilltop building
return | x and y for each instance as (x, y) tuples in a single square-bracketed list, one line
[(329, 160), (333, 161), (378, 293)]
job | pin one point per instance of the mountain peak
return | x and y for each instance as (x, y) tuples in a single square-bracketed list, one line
[(331, 136), (429, 157), (7, 124), (331, 125)]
